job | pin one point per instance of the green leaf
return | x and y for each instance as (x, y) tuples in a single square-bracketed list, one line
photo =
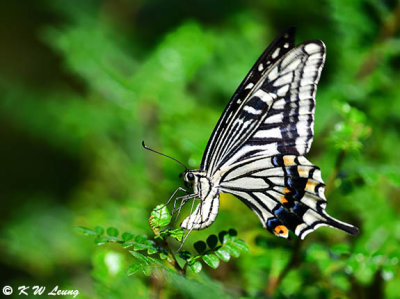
[(241, 245), (223, 254), (200, 246), (128, 244), (140, 239), (149, 243), (112, 231), (114, 239), (140, 246), (132, 269), (225, 237), (140, 257), (232, 249), (160, 217), (221, 236), (212, 241), (126, 236), (101, 240), (99, 230), (152, 250), (146, 270), (211, 260), (185, 255), (163, 256), (176, 233), (232, 232), (196, 266), (86, 231)]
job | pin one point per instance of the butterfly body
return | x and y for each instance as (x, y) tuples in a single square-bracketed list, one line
[(256, 152), (207, 191)]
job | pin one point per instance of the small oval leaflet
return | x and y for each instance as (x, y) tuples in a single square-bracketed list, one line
[(211, 260), (112, 231), (212, 241), (200, 246)]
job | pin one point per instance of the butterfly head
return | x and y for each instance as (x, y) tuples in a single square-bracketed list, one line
[(192, 178), (189, 177)]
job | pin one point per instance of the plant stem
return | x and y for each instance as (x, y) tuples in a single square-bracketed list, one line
[(387, 31), (173, 261), (330, 185), (292, 263)]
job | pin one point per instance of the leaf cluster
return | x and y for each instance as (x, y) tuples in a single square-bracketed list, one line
[(156, 253), (215, 249)]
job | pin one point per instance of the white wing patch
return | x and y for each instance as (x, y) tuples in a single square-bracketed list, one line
[(245, 183)]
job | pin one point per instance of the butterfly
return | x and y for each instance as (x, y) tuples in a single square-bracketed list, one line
[(256, 151)]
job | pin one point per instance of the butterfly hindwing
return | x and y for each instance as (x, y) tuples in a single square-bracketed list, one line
[(285, 191)]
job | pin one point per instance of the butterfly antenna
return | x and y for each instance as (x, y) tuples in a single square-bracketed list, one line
[(154, 151)]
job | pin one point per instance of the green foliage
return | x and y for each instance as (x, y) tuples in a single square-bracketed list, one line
[(229, 246), (159, 220), (157, 253), (84, 82), (350, 133)]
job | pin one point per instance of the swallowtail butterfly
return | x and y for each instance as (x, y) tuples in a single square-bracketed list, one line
[(256, 152)]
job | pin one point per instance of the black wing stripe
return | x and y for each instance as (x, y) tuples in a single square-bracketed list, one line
[(260, 208), (246, 121)]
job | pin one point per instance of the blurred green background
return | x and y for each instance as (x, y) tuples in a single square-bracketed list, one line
[(83, 82)]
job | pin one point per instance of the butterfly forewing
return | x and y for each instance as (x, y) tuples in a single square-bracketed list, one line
[(278, 48), (278, 117)]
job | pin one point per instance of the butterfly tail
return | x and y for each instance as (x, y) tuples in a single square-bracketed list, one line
[(335, 223), (313, 220)]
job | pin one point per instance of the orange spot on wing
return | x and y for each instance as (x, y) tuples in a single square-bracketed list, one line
[(283, 198), (310, 186), (281, 231), (303, 171), (288, 160)]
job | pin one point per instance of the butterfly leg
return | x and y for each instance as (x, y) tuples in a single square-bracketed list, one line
[(172, 196), (190, 230), (184, 200), (184, 239), (175, 201)]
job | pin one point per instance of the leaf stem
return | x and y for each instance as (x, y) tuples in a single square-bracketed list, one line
[(173, 261)]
